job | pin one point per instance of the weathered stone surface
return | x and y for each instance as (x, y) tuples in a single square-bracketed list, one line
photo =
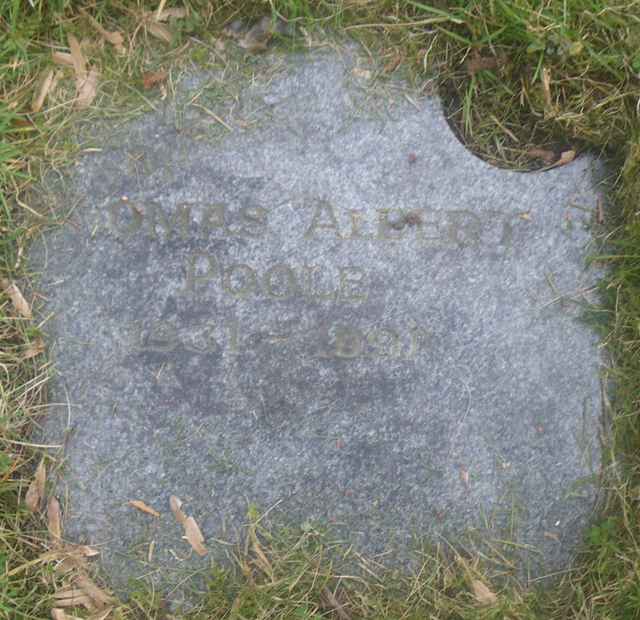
[(334, 308)]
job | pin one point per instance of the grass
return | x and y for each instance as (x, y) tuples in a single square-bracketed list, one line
[(524, 81)]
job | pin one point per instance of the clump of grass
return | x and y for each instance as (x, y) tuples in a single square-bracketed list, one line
[(523, 81)]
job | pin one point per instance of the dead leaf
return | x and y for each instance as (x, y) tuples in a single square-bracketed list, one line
[(464, 476), (364, 74), (73, 597), (77, 58), (600, 212), (151, 78), (102, 615), (142, 507), (35, 493), (166, 14), (115, 38), (85, 550), (159, 31), (258, 37), (58, 614), (17, 298), (100, 598), (546, 87), (22, 122), (545, 155), (194, 536), (87, 89), (393, 64), (482, 63), (62, 58), (34, 349), (42, 92), (566, 157), (54, 520), (330, 601), (176, 508), (261, 559), (482, 594)]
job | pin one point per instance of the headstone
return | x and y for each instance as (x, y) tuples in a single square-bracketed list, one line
[(313, 299)]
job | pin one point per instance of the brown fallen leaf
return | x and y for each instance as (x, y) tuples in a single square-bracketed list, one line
[(482, 594), (361, 73), (62, 58), (115, 38), (102, 615), (600, 212), (261, 558), (176, 508), (34, 349), (142, 507), (258, 37), (393, 64), (35, 493), (482, 63), (99, 597), (77, 58), (191, 529), (159, 31), (546, 155), (235, 30), (566, 157), (73, 597), (21, 122), (546, 88), (330, 601), (54, 520), (43, 91), (17, 298), (167, 14), (151, 78), (194, 536), (87, 89), (464, 476), (82, 550)]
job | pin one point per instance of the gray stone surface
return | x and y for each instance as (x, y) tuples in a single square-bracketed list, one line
[(334, 309)]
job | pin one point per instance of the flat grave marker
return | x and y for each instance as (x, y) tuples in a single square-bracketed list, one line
[(335, 310)]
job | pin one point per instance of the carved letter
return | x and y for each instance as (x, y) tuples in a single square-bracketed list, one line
[(386, 225), (136, 218), (280, 282), (317, 224), (313, 284), (193, 277), (357, 218), (239, 289), (385, 342), (464, 228), (181, 218), (351, 279), (213, 217), (254, 220), (349, 342), (163, 338)]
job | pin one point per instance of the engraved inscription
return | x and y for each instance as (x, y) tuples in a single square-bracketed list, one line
[(280, 281), (338, 341), (438, 228)]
